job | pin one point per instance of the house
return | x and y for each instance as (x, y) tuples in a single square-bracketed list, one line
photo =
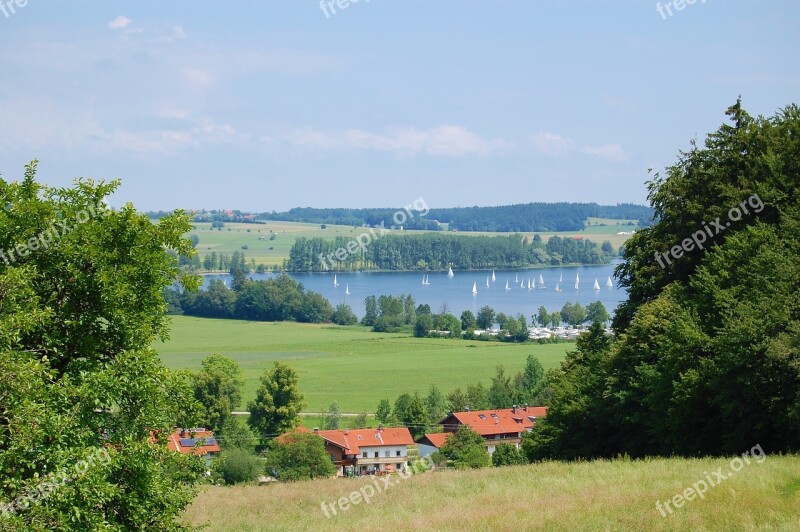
[(367, 451), (197, 441), (430, 443), (500, 426)]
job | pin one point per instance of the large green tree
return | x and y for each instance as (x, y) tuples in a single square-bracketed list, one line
[(278, 402), (297, 456), (466, 449), (80, 304), (218, 387)]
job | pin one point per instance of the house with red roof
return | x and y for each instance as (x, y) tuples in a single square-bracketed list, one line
[(197, 441), (367, 451), (501, 426), (430, 443)]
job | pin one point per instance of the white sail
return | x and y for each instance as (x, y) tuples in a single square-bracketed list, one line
[(609, 284), (561, 278), (335, 282), (596, 284), (493, 277), (347, 289), (529, 284), (577, 281), (474, 288), (507, 287), (423, 280), (487, 282), (558, 287), (450, 272), (516, 279), (541, 281)]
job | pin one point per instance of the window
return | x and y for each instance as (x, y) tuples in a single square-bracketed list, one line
[(386, 454), (376, 454), (482, 416), (364, 454), (495, 416), (398, 453)]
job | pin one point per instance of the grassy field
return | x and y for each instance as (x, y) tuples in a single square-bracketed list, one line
[(350, 365), (272, 252), (599, 495)]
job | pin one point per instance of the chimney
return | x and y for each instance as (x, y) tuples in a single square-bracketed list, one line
[(526, 407), (466, 409), (316, 430), (514, 409), (380, 427)]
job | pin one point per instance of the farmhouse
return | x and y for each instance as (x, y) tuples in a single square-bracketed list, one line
[(496, 426), (367, 451), (199, 441), (430, 443)]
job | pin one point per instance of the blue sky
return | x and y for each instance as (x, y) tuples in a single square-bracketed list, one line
[(268, 105)]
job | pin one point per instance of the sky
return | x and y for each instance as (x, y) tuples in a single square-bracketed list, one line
[(265, 105)]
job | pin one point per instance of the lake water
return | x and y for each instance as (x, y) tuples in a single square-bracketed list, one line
[(456, 291)]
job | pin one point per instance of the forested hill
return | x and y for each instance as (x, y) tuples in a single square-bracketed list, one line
[(507, 218)]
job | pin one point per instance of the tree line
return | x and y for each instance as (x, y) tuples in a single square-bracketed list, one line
[(519, 218), (433, 251)]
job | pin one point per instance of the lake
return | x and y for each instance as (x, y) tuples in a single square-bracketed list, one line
[(456, 291)]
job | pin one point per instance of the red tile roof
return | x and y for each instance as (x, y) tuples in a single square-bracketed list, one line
[(351, 440), (502, 421), (184, 441), (436, 439)]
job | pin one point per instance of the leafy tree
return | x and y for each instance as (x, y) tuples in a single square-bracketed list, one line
[(237, 466), (543, 317), (332, 417), (466, 449), (485, 318), (477, 399), (218, 387), (532, 375), (314, 309), (344, 315), (501, 393), (468, 320), (79, 380), (555, 319), (383, 411), (447, 322), (236, 434), (456, 401), (502, 320), (435, 404), (278, 402), (359, 422), (596, 312), (506, 454), (370, 311), (298, 456), (423, 326), (401, 407), (423, 309)]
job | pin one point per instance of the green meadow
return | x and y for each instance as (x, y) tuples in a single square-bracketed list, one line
[(595, 495), (234, 236), (350, 365)]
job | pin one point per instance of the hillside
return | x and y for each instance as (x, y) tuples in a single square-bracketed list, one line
[(601, 495)]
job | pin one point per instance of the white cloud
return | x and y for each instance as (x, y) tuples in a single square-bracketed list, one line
[(198, 77), (445, 140), (608, 152), (552, 144), (119, 23)]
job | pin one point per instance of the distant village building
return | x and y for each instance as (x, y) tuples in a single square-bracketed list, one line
[(197, 441), (367, 451), (502, 426)]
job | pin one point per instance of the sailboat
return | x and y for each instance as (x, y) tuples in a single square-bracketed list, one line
[(507, 287), (493, 277), (558, 286), (561, 278), (577, 281), (516, 279), (529, 284), (450, 272), (609, 284), (522, 283), (487, 282), (541, 281), (474, 288), (347, 289), (423, 280), (335, 282), (596, 284)]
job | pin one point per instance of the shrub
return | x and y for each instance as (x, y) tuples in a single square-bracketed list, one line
[(238, 465)]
